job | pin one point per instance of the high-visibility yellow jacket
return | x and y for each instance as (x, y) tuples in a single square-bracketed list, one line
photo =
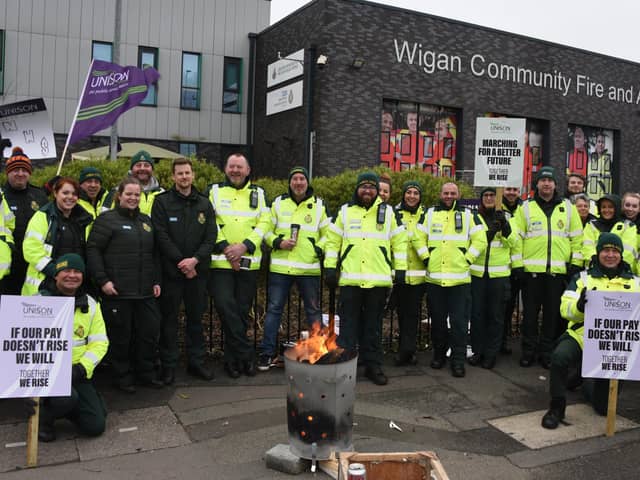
[(311, 216), (592, 279), (40, 248), (452, 239), (496, 259), (624, 229), (146, 198), (366, 249), (6, 240), (549, 243), (242, 216), (99, 207), (416, 271)]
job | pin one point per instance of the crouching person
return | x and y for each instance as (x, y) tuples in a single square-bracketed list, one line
[(607, 272), (84, 407)]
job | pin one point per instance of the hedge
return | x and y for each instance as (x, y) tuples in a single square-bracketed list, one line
[(334, 190)]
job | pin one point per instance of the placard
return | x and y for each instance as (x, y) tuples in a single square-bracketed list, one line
[(611, 335), (499, 156), (27, 125), (36, 342)]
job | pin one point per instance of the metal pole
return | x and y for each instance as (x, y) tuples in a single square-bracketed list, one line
[(116, 60)]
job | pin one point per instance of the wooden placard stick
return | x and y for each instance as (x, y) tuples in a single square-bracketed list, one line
[(612, 407), (32, 436), (499, 193)]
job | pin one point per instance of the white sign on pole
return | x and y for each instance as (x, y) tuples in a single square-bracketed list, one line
[(611, 335), (27, 125), (36, 342), (285, 98), (499, 158), (291, 66)]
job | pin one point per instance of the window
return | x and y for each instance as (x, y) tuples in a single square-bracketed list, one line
[(102, 51), (232, 82), (1, 62), (187, 149), (148, 57), (190, 91)]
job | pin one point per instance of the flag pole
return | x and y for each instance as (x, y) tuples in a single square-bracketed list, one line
[(75, 117)]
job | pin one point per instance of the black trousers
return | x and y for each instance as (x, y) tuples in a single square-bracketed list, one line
[(449, 302), (361, 311), (133, 326), (409, 298), (569, 354), (193, 293), (84, 407), (541, 290), (233, 293), (488, 296)]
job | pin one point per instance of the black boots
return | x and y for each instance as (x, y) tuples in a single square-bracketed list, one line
[(555, 414)]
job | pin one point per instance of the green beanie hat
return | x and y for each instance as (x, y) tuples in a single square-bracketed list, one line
[(411, 184), (69, 260), (141, 156), (368, 178), (609, 240), (90, 172), (301, 170), (547, 172), (485, 190)]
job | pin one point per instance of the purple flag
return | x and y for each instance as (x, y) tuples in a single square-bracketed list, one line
[(109, 91)]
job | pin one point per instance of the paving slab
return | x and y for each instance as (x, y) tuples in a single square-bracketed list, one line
[(135, 431), (402, 415), (580, 422), (231, 409), (437, 399), (189, 398)]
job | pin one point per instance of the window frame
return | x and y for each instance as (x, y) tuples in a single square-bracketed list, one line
[(236, 62), (153, 89), (94, 43), (185, 89), (2, 49)]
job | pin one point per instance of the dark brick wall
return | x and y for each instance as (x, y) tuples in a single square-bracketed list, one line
[(347, 102)]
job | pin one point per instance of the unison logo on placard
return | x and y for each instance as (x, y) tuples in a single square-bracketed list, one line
[(33, 310), (616, 304)]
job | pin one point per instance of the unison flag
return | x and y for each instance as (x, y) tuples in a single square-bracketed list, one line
[(109, 91)]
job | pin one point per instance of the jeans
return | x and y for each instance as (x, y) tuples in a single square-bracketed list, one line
[(279, 287)]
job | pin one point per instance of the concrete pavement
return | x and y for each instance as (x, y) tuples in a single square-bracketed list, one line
[(485, 425)]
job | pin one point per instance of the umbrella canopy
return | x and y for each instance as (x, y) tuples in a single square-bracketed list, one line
[(129, 149)]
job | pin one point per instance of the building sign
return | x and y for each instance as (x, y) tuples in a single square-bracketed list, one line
[(611, 335), (36, 346), (285, 98), (590, 154), (499, 155), (27, 125), (422, 136), (431, 61), (285, 69)]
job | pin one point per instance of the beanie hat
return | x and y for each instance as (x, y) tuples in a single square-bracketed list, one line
[(411, 184), (69, 260), (301, 170), (141, 156), (367, 178), (18, 159), (88, 173), (609, 240), (485, 190), (547, 172)]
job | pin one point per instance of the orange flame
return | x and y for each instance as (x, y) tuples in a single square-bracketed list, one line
[(321, 341)]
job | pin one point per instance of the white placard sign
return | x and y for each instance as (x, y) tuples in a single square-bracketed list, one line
[(27, 125), (611, 335), (285, 98), (36, 342), (291, 66), (499, 156)]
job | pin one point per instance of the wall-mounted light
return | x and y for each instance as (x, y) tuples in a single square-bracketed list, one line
[(358, 63)]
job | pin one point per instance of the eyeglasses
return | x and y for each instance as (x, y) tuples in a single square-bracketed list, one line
[(367, 186)]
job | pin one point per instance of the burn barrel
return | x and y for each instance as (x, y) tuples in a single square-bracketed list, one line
[(320, 402)]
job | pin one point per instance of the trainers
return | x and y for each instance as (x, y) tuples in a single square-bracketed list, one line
[(264, 362)]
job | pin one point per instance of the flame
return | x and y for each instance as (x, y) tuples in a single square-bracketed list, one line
[(321, 341)]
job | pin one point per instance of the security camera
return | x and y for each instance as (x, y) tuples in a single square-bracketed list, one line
[(322, 61)]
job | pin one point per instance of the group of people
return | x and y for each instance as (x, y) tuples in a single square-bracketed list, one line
[(133, 256)]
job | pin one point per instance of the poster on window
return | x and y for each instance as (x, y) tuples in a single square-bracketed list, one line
[(590, 153), (420, 136)]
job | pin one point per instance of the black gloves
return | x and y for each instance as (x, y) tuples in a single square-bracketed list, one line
[(78, 373), (401, 277), (425, 262), (331, 277), (28, 407), (572, 270), (582, 300), (518, 274), (502, 223)]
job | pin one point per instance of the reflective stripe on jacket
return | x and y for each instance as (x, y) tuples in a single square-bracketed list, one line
[(416, 271), (625, 230), (501, 252)]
